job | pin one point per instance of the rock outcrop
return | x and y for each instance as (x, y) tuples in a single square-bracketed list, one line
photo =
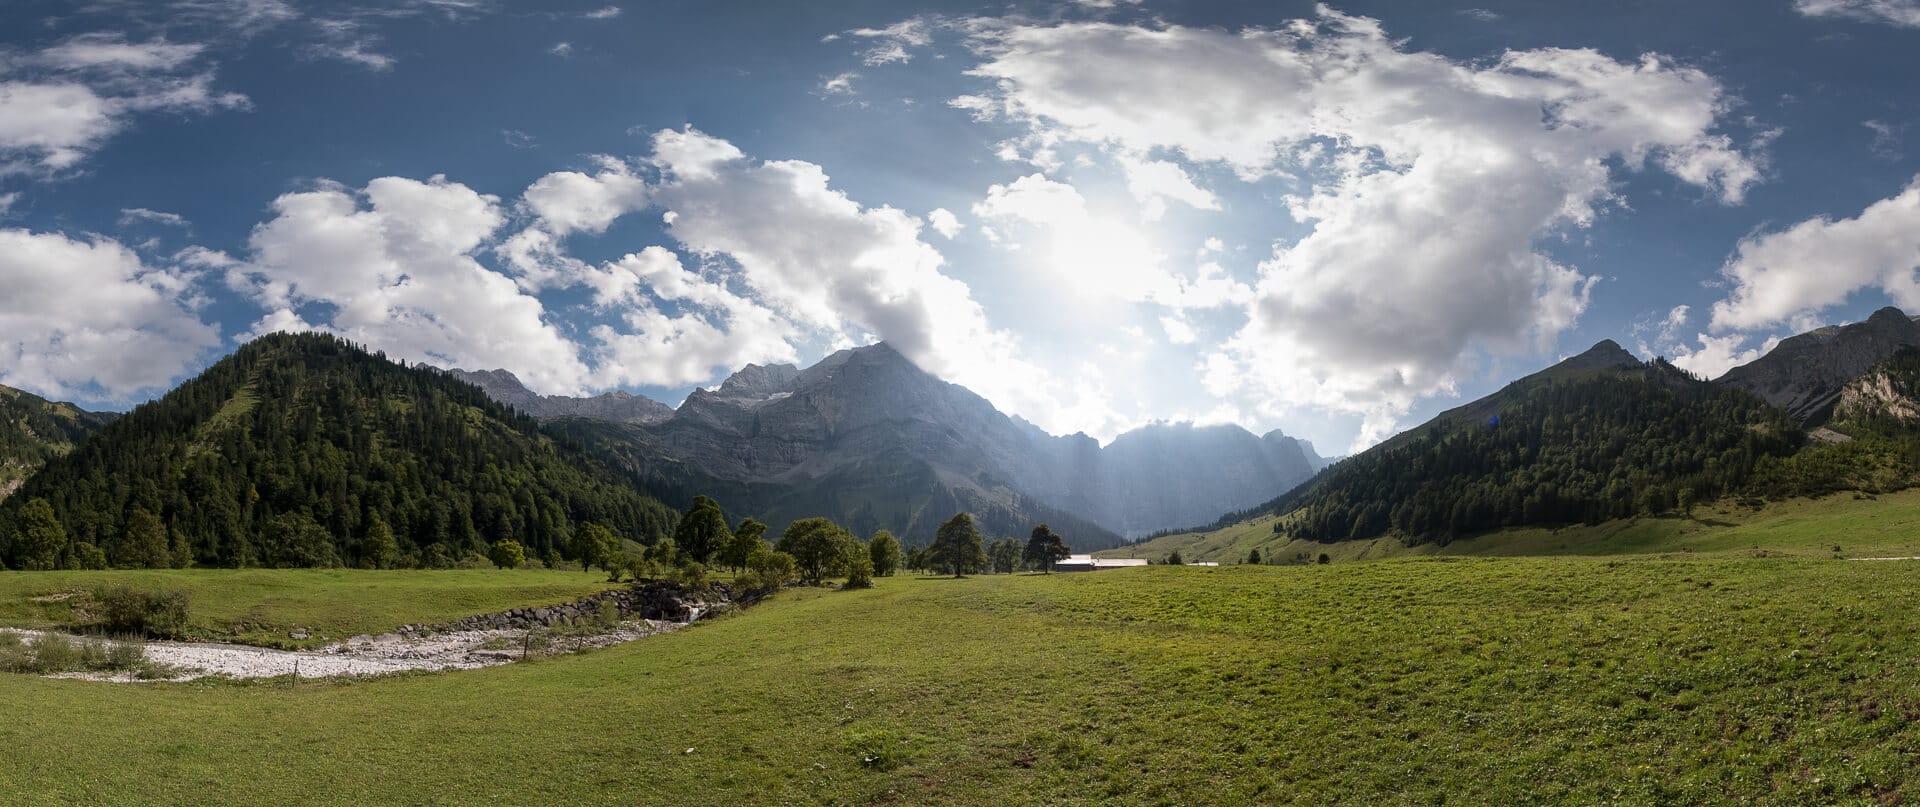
[(1805, 374), (653, 599)]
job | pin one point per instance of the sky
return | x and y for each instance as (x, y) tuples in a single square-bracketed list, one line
[(1336, 220)]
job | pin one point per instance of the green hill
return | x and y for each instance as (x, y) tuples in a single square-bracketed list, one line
[(34, 430), (294, 449), (1555, 448)]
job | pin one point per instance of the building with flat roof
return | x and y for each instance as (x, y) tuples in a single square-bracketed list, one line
[(1089, 563)]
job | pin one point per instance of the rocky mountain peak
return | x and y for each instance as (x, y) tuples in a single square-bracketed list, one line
[(1805, 374), (1606, 354), (759, 381)]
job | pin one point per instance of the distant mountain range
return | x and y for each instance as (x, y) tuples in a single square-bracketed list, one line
[(871, 440), (34, 430), (308, 436)]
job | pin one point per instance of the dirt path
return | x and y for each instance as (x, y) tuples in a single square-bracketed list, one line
[(369, 655)]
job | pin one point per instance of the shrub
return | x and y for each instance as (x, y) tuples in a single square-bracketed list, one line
[(158, 614), (859, 569), (692, 574), (507, 554), (125, 654), (54, 652)]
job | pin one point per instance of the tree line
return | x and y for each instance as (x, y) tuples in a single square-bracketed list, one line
[(1566, 450)]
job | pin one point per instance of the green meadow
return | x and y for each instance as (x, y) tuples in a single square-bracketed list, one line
[(1861, 525), (266, 606), (1575, 680)]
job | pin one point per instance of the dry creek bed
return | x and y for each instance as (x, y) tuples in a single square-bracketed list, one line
[(368, 655)]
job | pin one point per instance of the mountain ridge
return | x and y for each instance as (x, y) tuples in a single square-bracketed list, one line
[(830, 429)]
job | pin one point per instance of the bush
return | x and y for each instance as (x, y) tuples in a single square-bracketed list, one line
[(692, 574), (54, 652), (125, 654), (859, 569), (157, 614), (507, 554)]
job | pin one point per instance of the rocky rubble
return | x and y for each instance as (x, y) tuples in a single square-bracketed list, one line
[(657, 600)]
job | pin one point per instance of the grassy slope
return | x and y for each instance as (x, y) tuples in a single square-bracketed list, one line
[(1885, 526), (262, 606), (1566, 680)]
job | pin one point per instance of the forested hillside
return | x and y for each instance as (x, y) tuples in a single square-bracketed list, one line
[(302, 450), (34, 430), (1560, 447)]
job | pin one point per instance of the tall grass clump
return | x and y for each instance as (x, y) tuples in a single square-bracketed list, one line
[(136, 612)]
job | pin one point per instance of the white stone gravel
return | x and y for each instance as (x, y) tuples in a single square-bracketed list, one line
[(366, 655)]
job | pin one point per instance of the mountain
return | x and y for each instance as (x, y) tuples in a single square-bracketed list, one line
[(506, 388), (1596, 437), (295, 449), (869, 439), (1804, 374), (34, 430)]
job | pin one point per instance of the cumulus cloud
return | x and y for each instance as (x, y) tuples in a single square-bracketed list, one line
[(393, 264), (1154, 183), (832, 265), (68, 99), (1088, 253), (1718, 354), (944, 222), (1819, 262), (567, 202), (1428, 182), (86, 318), (715, 329), (1905, 13)]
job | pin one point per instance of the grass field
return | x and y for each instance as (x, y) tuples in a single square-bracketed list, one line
[(1887, 525), (1419, 681), (264, 606)]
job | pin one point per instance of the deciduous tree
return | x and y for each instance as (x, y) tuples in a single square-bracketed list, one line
[(1046, 548), (956, 547)]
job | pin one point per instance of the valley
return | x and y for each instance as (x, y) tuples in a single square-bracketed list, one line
[(1550, 680)]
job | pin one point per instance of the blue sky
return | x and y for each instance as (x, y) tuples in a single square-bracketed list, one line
[(1335, 221)]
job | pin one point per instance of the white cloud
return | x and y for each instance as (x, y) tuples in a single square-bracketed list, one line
[(86, 318), (563, 203), (1429, 181), (71, 97), (393, 265), (1905, 13), (132, 215), (569, 201), (1089, 253), (561, 49), (896, 42), (841, 84), (1718, 354), (1156, 182), (944, 222), (1886, 139), (606, 13), (716, 330), (111, 51), (1819, 262), (1179, 331), (834, 266)]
